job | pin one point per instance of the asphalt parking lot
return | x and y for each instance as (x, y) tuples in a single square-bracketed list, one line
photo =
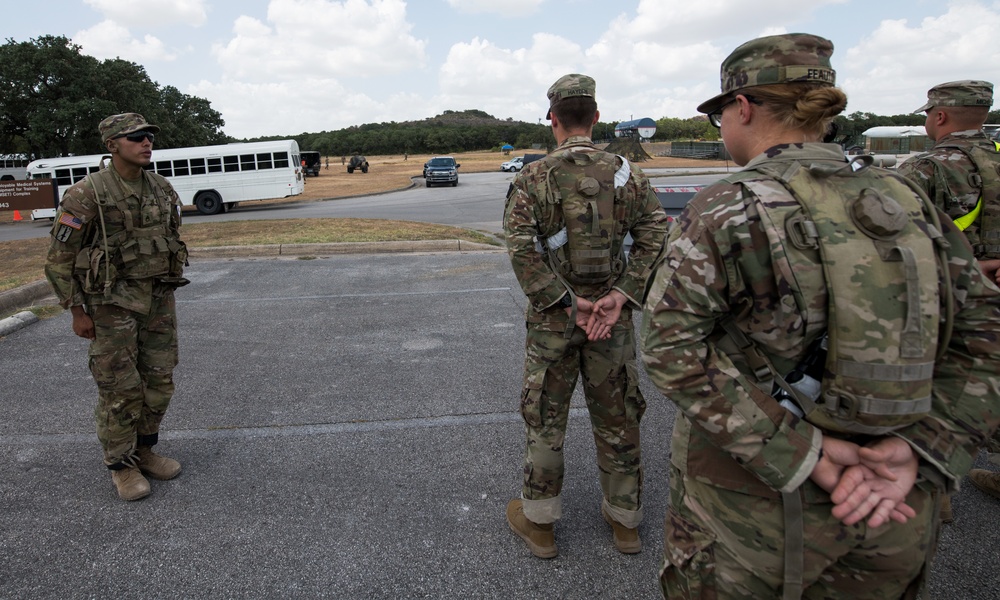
[(348, 428)]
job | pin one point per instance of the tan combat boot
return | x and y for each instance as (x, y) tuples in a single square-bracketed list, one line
[(541, 539), (626, 540), (156, 466), (987, 481), (130, 483)]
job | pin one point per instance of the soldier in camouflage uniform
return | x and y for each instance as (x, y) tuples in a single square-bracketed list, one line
[(961, 175), (114, 262), (865, 525), (565, 221)]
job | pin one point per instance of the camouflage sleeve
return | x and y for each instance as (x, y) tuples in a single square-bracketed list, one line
[(920, 171), (691, 292), (966, 395), (72, 227), (521, 225), (648, 226)]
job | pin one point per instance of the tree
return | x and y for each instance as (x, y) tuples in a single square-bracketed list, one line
[(52, 98)]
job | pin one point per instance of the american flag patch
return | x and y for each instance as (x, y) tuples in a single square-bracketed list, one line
[(70, 221)]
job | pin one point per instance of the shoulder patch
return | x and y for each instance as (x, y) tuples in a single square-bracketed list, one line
[(70, 221)]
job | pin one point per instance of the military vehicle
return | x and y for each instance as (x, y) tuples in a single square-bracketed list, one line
[(310, 162), (357, 162)]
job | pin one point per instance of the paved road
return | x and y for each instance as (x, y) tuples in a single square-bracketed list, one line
[(476, 203), (349, 429)]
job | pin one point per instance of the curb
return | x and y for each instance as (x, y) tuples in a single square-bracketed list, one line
[(18, 321), (26, 295)]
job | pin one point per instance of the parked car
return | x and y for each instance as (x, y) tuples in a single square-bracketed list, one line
[(357, 162), (673, 198), (513, 165), (441, 169)]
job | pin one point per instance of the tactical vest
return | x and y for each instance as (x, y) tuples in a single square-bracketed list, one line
[(132, 242), (879, 248), (583, 186), (987, 212)]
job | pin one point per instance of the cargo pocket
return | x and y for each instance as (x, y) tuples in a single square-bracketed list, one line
[(531, 398), (635, 403), (688, 560)]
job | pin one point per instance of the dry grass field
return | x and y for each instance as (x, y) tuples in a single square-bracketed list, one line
[(394, 172)]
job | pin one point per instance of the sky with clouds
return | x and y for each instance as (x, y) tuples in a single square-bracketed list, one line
[(284, 67)]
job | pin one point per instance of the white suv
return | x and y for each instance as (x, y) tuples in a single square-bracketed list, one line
[(513, 165)]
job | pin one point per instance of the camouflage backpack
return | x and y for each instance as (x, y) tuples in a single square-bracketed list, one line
[(874, 246), (987, 211), (584, 186)]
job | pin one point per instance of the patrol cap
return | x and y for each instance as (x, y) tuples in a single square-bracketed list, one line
[(788, 58), (967, 92), (124, 124), (570, 86)]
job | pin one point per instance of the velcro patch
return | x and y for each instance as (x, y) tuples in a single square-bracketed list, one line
[(70, 221), (63, 233)]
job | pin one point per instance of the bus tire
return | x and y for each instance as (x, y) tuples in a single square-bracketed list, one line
[(208, 203)]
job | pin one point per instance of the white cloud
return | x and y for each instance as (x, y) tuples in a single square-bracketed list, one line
[(505, 82), (108, 39), (510, 8), (321, 37), (152, 13), (891, 69)]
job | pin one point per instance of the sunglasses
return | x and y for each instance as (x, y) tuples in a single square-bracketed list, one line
[(715, 118), (138, 136)]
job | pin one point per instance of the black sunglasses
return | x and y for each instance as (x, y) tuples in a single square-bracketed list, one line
[(715, 117), (138, 136)]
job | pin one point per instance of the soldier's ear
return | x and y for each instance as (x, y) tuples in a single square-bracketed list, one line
[(112, 146)]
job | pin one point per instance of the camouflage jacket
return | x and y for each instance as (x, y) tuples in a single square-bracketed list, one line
[(637, 211), (944, 174), (78, 227), (729, 432)]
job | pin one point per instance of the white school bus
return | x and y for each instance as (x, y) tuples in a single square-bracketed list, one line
[(13, 166), (212, 178)]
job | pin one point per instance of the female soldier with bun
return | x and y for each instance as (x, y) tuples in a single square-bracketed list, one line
[(805, 262)]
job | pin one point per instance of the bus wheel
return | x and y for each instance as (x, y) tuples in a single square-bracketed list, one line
[(208, 203)]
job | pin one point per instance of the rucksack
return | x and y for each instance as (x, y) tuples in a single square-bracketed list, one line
[(987, 211), (874, 246), (583, 185)]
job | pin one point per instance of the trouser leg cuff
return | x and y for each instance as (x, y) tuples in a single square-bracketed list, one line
[(628, 518), (148, 439), (548, 510)]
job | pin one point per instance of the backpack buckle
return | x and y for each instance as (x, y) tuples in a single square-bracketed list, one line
[(842, 404)]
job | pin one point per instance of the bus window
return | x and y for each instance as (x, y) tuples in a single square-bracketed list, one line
[(232, 163), (180, 167), (163, 168), (247, 162), (280, 160), (215, 165), (198, 166), (264, 161)]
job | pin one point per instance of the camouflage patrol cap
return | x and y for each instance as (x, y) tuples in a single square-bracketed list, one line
[(788, 58), (124, 124), (570, 86), (967, 92)]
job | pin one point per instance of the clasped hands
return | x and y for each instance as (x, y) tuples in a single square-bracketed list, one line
[(598, 317), (869, 481)]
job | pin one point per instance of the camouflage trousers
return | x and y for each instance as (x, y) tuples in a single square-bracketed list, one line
[(132, 360), (610, 385), (722, 544)]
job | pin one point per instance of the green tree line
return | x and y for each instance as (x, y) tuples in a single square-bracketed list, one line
[(52, 97)]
